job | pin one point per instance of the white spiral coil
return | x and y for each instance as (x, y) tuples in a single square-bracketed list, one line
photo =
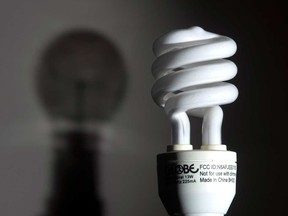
[(189, 72)]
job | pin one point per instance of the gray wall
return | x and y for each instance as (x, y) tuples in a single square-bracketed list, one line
[(140, 129)]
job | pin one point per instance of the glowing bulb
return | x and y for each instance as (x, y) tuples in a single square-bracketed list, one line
[(189, 72)]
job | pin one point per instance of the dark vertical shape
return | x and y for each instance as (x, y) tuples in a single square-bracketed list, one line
[(79, 100), (75, 186), (81, 80)]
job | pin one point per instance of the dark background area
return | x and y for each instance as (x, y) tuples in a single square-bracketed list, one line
[(254, 125)]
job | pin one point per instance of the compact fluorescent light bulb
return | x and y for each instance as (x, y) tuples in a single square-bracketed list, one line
[(189, 72)]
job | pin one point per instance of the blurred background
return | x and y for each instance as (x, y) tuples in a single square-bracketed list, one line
[(75, 98)]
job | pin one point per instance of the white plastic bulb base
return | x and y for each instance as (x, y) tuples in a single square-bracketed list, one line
[(197, 182)]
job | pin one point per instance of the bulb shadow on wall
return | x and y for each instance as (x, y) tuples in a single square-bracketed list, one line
[(81, 80)]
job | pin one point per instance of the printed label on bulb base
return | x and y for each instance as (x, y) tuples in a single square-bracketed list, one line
[(200, 172), (197, 181)]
